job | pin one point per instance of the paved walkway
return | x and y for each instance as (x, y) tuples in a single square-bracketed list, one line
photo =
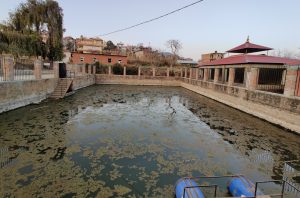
[(277, 116)]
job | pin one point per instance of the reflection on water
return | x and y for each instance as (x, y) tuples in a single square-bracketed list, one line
[(126, 141)]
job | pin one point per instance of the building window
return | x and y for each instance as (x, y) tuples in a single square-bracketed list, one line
[(119, 61), (81, 59), (109, 60)]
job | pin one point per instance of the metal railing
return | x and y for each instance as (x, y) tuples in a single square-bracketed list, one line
[(23, 71), (272, 79), (284, 185), (47, 71)]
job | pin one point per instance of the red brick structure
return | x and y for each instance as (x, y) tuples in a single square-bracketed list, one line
[(80, 58)]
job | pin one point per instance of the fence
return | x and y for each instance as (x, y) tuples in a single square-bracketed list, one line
[(1, 70), (23, 70), (272, 79), (47, 71)]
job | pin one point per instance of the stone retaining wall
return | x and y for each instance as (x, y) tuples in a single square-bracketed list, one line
[(83, 81), (17, 94), (137, 80)]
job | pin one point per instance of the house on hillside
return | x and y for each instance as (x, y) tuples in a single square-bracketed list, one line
[(90, 45), (91, 58)]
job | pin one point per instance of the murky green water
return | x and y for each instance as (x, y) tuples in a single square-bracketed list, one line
[(130, 141)]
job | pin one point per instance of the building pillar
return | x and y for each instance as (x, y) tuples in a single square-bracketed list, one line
[(181, 72), (8, 67), (139, 71), (252, 78), (197, 73), (38, 64), (109, 70), (223, 74), (191, 73), (153, 71), (124, 71), (185, 72), (168, 72), (231, 76), (291, 80), (56, 69), (205, 75), (216, 77)]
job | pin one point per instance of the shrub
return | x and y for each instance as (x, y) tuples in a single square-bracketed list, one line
[(132, 70), (101, 69), (117, 69)]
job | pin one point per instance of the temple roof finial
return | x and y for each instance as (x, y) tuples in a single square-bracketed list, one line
[(248, 39)]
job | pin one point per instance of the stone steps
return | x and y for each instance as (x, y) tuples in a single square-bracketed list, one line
[(61, 88)]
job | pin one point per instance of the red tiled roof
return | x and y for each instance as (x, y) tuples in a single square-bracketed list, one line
[(246, 58), (248, 47)]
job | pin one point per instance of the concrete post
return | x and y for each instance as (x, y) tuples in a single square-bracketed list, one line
[(290, 81), (124, 71), (38, 64), (8, 67), (77, 71), (109, 70), (139, 71), (251, 78), (216, 77), (231, 76), (153, 71), (168, 72), (94, 69), (56, 69), (185, 72), (205, 75), (223, 74), (197, 73), (90, 69)]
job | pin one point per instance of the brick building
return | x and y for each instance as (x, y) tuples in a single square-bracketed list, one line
[(81, 58)]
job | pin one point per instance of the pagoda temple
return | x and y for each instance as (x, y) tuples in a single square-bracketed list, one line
[(247, 68)]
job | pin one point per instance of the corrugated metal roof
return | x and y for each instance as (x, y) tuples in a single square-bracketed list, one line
[(248, 47), (246, 58)]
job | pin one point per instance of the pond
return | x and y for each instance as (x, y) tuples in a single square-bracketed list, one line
[(135, 141)]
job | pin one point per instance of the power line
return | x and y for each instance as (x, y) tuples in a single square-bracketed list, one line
[(153, 19)]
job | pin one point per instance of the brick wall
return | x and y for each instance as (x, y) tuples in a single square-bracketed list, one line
[(79, 58)]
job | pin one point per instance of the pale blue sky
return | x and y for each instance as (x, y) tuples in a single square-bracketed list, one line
[(205, 27)]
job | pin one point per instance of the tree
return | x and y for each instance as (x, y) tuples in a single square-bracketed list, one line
[(175, 46), (21, 34), (110, 46)]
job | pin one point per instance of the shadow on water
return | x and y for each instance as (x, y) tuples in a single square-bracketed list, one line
[(132, 141)]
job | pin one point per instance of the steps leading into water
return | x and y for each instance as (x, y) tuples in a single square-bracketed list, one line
[(62, 88)]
